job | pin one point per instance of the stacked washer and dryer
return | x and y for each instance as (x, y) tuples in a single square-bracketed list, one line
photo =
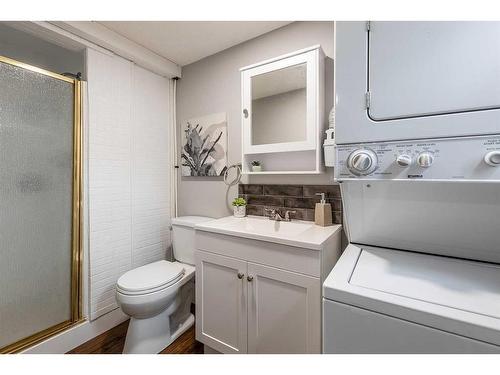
[(418, 162)]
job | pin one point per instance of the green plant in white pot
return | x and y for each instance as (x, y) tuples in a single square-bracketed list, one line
[(239, 207), (256, 166)]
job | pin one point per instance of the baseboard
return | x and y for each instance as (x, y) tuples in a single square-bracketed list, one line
[(75, 336)]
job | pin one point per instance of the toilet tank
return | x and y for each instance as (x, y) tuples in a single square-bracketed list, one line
[(183, 237)]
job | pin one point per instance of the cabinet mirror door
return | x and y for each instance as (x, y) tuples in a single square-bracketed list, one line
[(279, 104)]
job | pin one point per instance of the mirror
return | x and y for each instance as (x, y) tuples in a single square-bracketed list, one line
[(279, 106)]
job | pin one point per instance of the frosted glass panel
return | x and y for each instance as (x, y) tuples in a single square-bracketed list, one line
[(36, 156)]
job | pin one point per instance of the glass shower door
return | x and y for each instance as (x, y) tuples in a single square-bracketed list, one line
[(39, 204)]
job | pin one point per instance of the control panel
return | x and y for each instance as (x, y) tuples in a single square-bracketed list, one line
[(467, 158)]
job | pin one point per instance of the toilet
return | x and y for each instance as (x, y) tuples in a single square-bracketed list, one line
[(158, 296)]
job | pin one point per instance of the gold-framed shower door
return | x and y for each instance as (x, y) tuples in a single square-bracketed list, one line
[(76, 230)]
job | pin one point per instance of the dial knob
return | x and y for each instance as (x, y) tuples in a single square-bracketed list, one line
[(403, 160), (492, 158), (362, 161), (425, 159)]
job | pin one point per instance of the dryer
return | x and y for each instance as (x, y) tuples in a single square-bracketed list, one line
[(418, 162), (416, 80)]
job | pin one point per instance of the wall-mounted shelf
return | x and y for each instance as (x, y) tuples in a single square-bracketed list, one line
[(282, 113), (283, 172)]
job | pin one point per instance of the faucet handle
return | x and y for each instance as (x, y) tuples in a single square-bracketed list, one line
[(271, 211), (287, 215)]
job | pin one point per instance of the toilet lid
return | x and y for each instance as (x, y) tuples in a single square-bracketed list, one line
[(151, 277)]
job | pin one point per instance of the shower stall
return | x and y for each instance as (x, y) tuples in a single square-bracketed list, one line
[(40, 204)]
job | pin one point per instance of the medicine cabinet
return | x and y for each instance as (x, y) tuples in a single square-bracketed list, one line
[(282, 113)]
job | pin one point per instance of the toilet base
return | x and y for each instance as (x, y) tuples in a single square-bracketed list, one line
[(183, 327), (152, 335)]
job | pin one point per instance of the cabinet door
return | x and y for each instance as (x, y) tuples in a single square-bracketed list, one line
[(281, 105), (221, 302), (284, 311)]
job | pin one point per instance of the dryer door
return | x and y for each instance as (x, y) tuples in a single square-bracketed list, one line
[(432, 68), (411, 80)]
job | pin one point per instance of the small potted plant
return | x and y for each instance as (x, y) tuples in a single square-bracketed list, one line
[(256, 166), (239, 207)]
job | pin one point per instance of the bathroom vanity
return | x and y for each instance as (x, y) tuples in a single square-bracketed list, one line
[(258, 284)]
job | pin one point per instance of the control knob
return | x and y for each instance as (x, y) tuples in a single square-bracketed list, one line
[(362, 161), (492, 158), (425, 159), (403, 160)]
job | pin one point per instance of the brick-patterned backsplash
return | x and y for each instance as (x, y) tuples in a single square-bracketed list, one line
[(300, 198)]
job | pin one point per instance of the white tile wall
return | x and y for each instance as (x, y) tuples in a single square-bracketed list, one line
[(151, 167), (129, 179)]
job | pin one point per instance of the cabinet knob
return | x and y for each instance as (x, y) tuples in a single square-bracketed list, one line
[(240, 275), (250, 278)]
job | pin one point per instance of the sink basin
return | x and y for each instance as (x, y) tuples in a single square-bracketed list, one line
[(296, 233), (266, 226)]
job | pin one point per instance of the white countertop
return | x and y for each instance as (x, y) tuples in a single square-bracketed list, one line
[(297, 233)]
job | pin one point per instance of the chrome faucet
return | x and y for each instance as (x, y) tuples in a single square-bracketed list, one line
[(275, 215)]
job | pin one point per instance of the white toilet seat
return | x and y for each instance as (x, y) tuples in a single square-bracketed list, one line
[(149, 291), (150, 278)]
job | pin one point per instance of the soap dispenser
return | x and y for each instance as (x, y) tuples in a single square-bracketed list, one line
[(323, 212)]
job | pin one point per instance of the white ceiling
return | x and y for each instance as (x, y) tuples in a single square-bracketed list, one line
[(184, 42)]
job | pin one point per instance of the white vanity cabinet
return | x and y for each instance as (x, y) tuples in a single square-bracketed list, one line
[(254, 296)]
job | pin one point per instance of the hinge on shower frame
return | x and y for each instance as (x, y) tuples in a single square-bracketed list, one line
[(368, 97), (367, 25)]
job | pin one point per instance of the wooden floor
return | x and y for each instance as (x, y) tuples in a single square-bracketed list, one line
[(112, 341)]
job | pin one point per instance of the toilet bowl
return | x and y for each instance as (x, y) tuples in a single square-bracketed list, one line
[(158, 296)]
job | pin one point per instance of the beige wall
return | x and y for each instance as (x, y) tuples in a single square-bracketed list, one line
[(212, 85)]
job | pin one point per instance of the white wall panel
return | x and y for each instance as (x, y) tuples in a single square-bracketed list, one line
[(129, 172), (150, 168), (109, 98)]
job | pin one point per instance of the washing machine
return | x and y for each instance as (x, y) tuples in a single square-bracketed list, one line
[(418, 163)]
